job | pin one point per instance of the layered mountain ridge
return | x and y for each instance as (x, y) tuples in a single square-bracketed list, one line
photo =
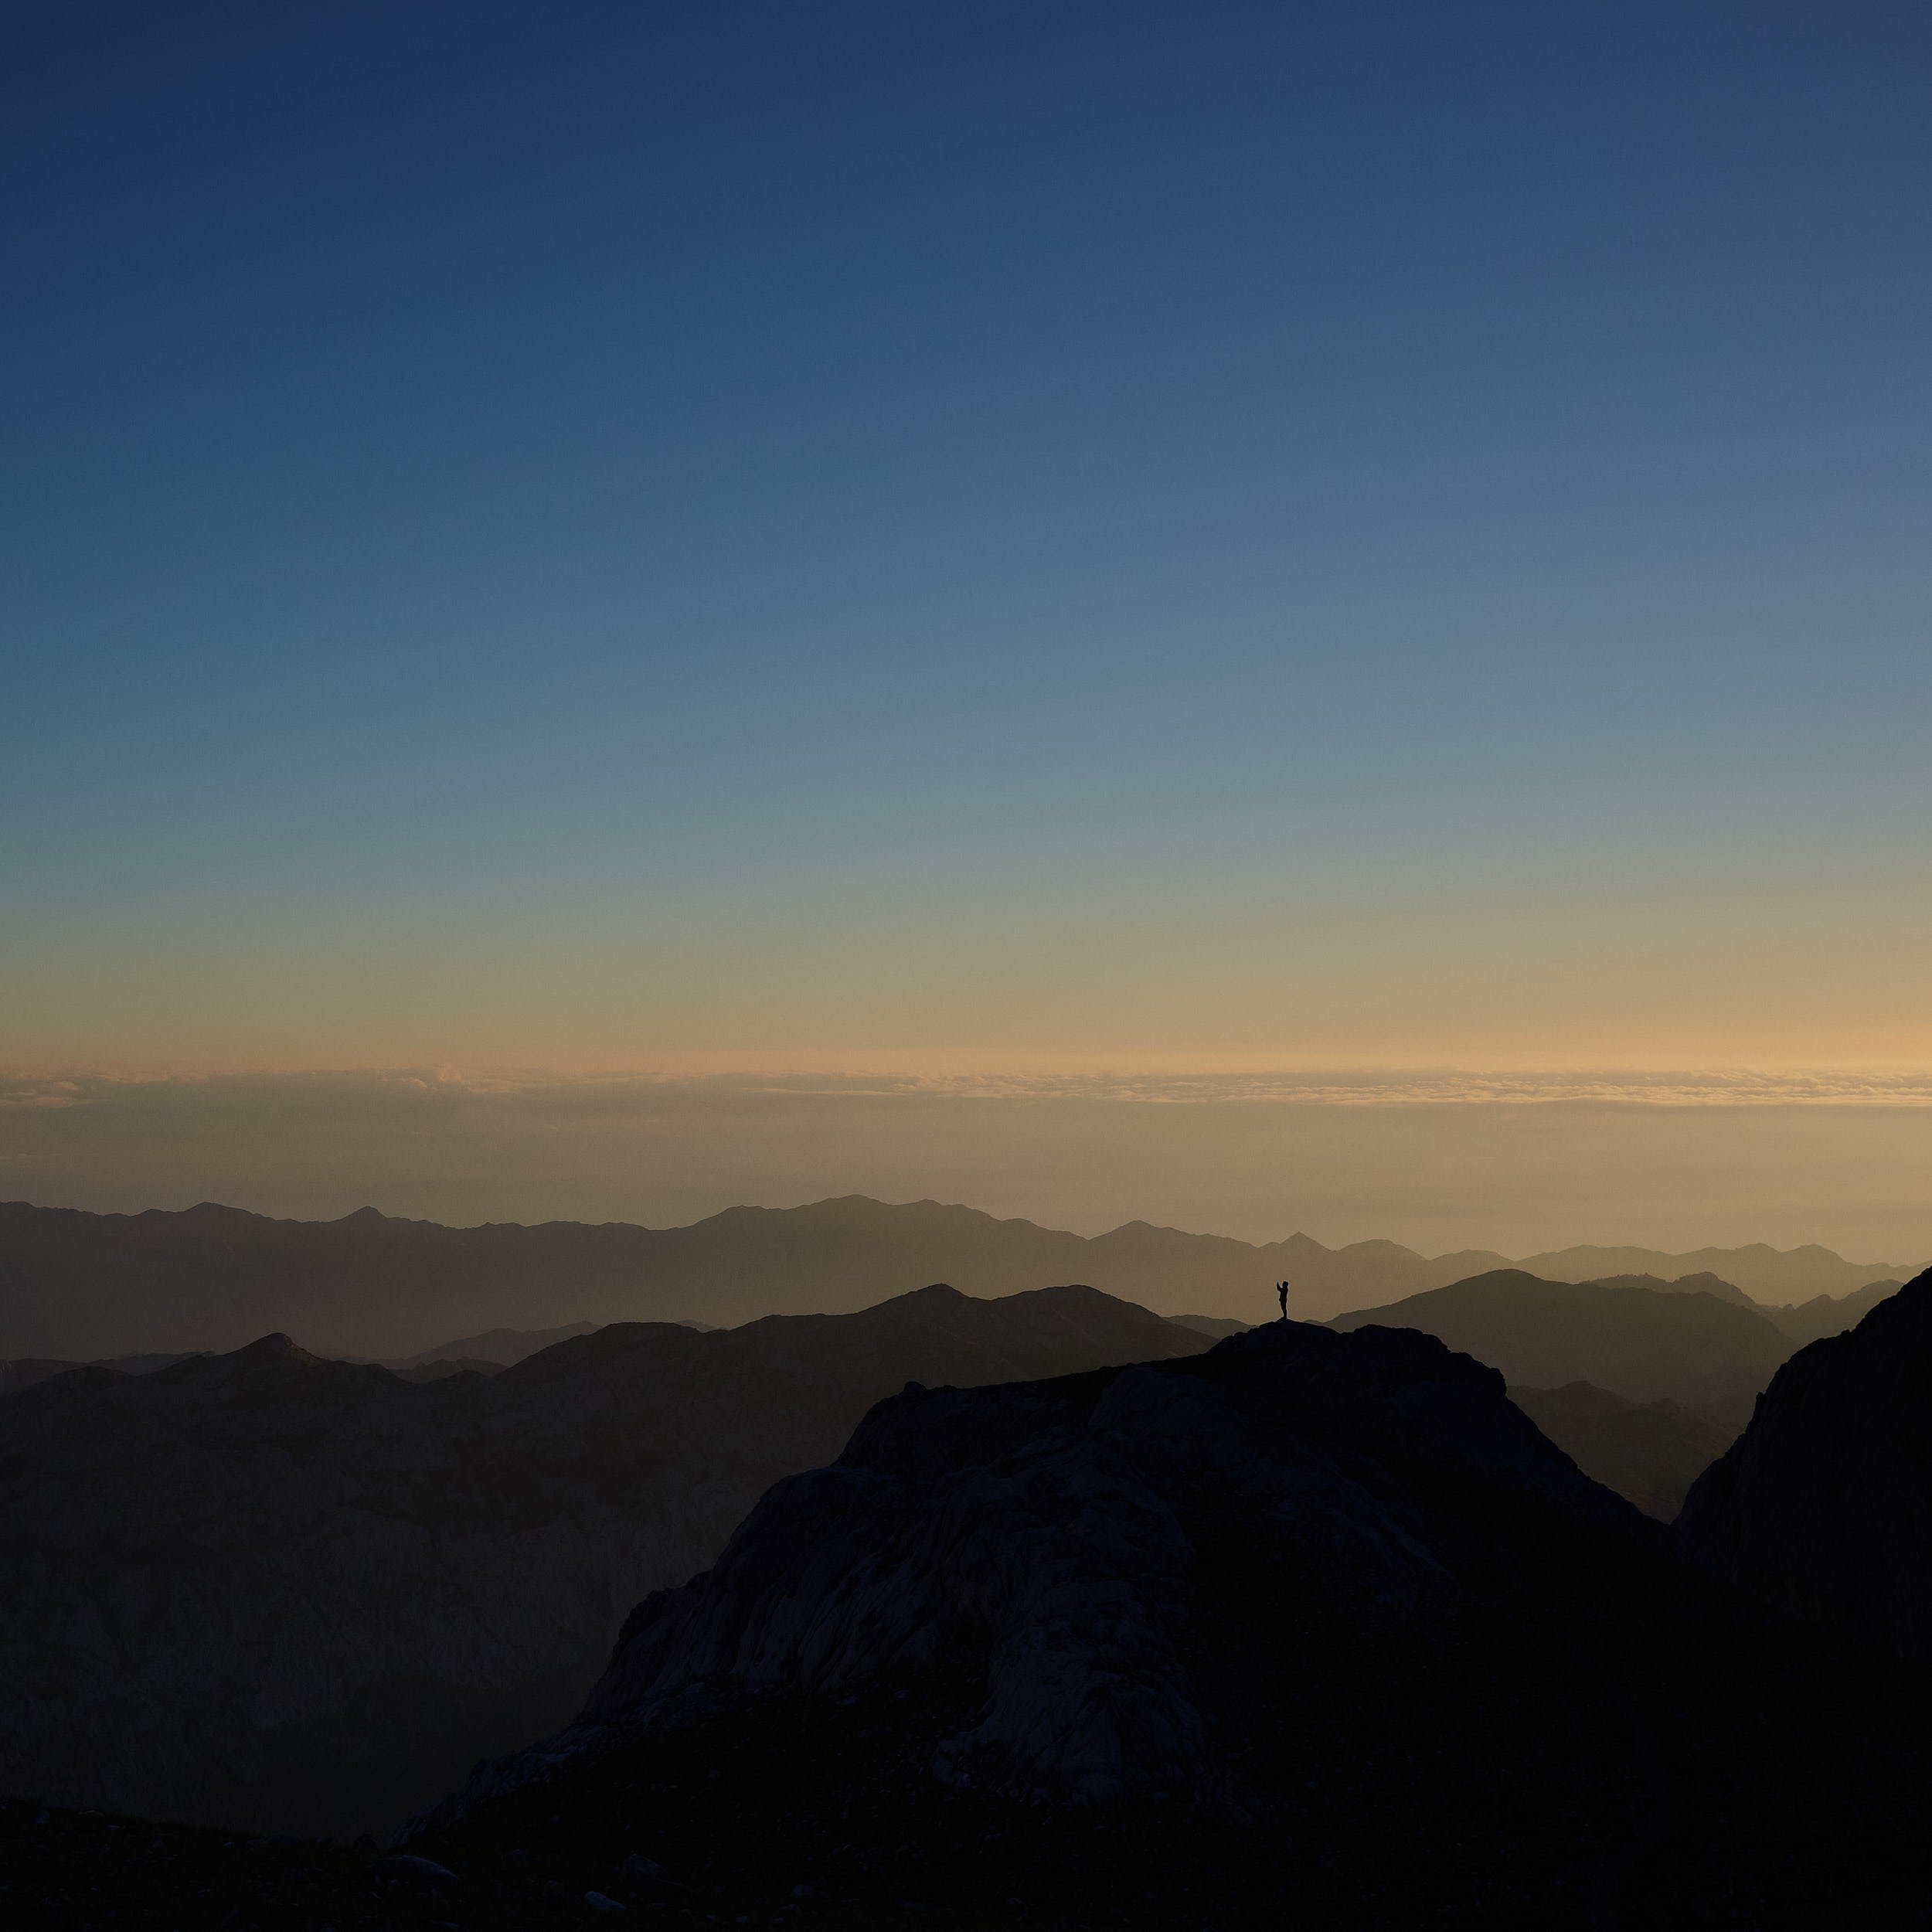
[(85, 1287)]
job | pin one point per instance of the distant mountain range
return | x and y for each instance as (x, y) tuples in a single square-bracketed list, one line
[(1766, 1274), (89, 1287)]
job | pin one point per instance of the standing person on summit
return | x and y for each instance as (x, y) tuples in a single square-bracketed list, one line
[(1281, 1294)]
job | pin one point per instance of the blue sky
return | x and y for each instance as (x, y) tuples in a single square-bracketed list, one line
[(725, 535)]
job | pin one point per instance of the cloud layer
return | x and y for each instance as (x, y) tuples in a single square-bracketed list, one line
[(1438, 1160)]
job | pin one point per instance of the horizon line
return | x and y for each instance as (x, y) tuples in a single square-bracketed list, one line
[(1356, 1085)]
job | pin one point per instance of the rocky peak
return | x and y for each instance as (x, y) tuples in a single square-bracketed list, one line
[(1047, 1539)]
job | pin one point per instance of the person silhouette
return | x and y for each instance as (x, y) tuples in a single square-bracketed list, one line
[(1281, 1294)]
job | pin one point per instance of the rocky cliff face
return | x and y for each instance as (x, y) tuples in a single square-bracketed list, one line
[(1313, 1623), (1823, 1507), (294, 1594), (1049, 1526)]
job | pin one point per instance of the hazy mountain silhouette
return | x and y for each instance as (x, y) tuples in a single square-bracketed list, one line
[(1823, 1507), (1706, 1355), (1684, 1284), (1217, 1327), (504, 1347), (82, 1287), (484, 1353), (1648, 1452), (1315, 1627), (1827, 1314), (23, 1374), (1800, 1321), (1764, 1274), (278, 1591), (441, 1367)]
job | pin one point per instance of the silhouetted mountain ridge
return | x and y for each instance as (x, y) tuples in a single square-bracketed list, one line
[(87, 1286), (1765, 1273)]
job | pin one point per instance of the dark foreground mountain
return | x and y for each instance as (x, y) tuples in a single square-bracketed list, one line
[(1823, 1507), (1648, 1452), (82, 1287), (265, 1590), (1705, 1355), (1315, 1628), (68, 1870)]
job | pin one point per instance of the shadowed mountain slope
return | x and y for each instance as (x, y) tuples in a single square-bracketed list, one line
[(1287, 1632), (1706, 1355), (1823, 1507), (1648, 1452), (267, 1590), (83, 1287)]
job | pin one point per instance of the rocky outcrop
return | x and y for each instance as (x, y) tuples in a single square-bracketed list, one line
[(1823, 1507), (1314, 1624), (268, 1590), (1049, 1533)]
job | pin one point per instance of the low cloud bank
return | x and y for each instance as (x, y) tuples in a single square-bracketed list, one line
[(1439, 1160)]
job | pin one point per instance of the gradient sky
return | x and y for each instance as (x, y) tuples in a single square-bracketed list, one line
[(814, 535)]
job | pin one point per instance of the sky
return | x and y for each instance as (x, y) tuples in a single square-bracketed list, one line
[(963, 538)]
